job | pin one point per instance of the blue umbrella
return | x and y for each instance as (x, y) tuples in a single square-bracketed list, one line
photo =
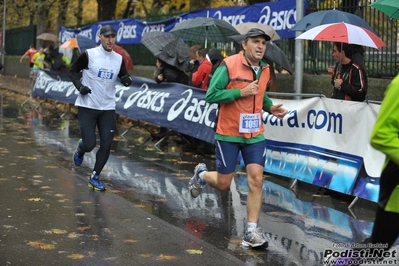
[(85, 43), (329, 16)]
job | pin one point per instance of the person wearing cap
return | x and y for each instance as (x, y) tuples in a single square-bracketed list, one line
[(238, 86), (100, 67)]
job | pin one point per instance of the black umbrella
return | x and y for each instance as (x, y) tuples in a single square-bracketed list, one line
[(273, 53), (167, 47)]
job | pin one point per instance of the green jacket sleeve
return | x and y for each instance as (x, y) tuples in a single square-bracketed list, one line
[(385, 134), (267, 103), (217, 92)]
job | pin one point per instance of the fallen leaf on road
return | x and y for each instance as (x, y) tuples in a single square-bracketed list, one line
[(41, 245), (194, 251), (8, 226), (236, 241), (76, 256), (27, 157), (166, 257), (144, 256), (162, 200), (130, 241), (111, 258), (58, 231), (83, 228), (35, 199), (74, 235)]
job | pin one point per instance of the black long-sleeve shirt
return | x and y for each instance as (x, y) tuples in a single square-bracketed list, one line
[(354, 86)]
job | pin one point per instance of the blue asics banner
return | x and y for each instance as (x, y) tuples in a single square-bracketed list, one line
[(280, 15), (178, 107), (319, 141)]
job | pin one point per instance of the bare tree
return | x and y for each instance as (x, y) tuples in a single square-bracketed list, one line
[(43, 8), (252, 2), (106, 10), (79, 13), (195, 4), (63, 5)]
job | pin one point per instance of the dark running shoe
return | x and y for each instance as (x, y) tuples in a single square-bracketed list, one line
[(76, 157), (95, 184)]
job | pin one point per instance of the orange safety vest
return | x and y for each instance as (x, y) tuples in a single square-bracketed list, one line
[(240, 75)]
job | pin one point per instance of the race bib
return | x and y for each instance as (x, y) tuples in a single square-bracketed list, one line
[(249, 123), (104, 74)]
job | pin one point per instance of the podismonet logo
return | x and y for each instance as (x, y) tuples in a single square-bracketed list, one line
[(360, 254)]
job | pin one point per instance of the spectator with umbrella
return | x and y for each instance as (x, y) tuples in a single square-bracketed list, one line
[(168, 73), (167, 47), (201, 76), (349, 79)]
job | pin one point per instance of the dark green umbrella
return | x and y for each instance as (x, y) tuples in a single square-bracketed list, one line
[(204, 30), (389, 7), (167, 47)]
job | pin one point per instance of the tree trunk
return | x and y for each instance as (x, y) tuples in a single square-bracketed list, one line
[(79, 14), (106, 9), (63, 6), (196, 5)]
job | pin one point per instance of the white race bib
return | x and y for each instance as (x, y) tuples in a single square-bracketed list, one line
[(249, 123)]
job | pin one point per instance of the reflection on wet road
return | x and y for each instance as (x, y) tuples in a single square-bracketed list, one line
[(299, 226)]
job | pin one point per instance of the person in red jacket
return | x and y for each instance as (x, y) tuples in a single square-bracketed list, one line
[(201, 76), (30, 53)]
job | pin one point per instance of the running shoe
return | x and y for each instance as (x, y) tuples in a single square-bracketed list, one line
[(195, 185), (254, 239), (95, 184), (77, 156)]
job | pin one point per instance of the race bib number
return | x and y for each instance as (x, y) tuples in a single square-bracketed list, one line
[(104, 74), (249, 123)]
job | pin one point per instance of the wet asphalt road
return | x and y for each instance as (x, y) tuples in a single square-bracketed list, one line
[(299, 225)]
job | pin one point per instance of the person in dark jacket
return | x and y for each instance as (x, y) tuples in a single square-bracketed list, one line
[(215, 57), (358, 55), (165, 72), (54, 59), (349, 78)]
